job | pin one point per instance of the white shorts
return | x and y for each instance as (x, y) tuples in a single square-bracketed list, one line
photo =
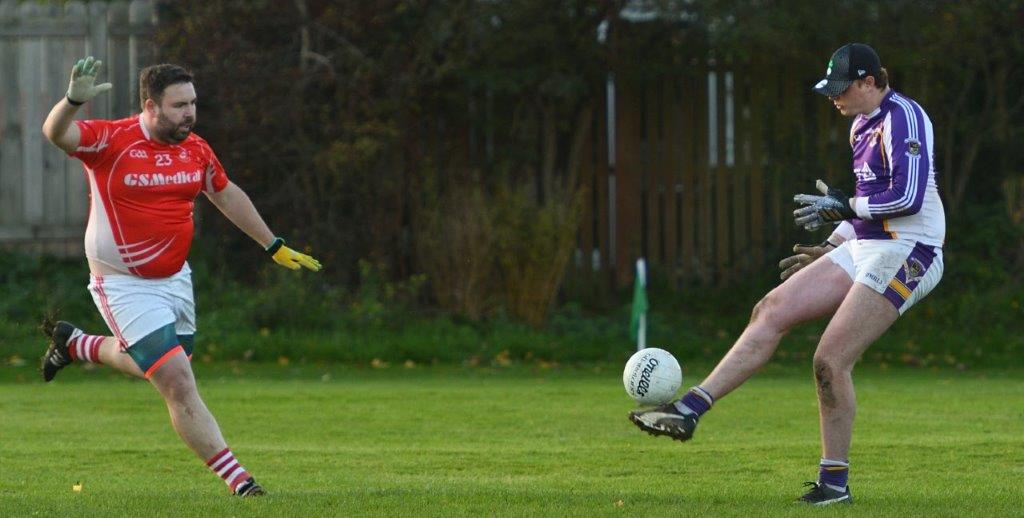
[(134, 307), (902, 271)]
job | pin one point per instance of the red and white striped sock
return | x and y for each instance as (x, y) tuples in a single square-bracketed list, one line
[(84, 348), (227, 468)]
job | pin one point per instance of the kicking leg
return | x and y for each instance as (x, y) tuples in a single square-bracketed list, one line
[(68, 344), (111, 354), (814, 291)]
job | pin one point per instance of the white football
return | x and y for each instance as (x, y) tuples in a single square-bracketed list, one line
[(652, 376)]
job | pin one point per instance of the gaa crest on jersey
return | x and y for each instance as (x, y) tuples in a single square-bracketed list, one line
[(183, 156), (913, 147)]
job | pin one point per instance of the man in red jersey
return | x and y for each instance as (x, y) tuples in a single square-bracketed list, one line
[(144, 174)]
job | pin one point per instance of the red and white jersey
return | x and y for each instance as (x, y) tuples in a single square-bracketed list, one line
[(141, 195)]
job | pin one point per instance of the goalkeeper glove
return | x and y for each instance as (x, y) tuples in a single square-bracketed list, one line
[(805, 255), (833, 206), (83, 78), (289, 258)]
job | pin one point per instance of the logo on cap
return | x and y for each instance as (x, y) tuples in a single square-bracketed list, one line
[(860, 71), (829, 69)]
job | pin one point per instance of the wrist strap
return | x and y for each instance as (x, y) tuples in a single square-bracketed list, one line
[(275, 245), (73, 102), (828, 243)]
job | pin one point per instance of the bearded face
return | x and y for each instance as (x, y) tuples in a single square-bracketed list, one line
[(176, 113), (172, 131)]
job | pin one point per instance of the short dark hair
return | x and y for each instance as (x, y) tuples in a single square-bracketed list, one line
[(155, 79), (882, 79)]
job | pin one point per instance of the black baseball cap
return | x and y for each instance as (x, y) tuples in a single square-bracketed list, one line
[(849, 63)]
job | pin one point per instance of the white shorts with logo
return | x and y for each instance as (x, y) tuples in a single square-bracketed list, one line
[(134, 307), (902, 271)]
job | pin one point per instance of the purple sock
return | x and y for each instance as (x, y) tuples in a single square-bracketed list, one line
[(695, 402), (833, 473)]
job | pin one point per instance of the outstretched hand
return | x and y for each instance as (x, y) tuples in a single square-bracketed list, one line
[(83, 78), (289, 258)]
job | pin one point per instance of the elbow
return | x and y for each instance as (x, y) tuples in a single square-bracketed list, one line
[(49, 133)]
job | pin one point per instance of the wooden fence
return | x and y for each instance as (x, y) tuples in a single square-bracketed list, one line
[(693, 183), (43, 194)]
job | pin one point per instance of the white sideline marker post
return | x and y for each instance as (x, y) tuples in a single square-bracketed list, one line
[(638, 322)]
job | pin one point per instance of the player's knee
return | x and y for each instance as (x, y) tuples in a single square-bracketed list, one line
[(180, 389), (766, 313), (828, 365), (823, 368), (760, 310), (174, 380), (824, 377)]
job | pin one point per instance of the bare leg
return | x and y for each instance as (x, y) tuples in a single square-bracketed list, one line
[(189, 415), (111, 354), (863, 316), (813, 292)]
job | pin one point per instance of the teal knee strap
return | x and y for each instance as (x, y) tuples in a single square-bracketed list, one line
[(154, 346), (187, 342)]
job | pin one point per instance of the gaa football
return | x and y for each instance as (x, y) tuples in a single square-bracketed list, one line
[(652, 376)]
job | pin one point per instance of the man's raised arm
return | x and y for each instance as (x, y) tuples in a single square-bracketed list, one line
[(58, 126)]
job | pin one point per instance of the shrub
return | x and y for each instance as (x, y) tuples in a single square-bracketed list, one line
[(535, 242)]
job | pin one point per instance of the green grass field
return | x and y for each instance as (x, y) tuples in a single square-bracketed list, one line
[(475, 441)]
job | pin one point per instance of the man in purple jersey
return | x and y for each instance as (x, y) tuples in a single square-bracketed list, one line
[(883, 257)]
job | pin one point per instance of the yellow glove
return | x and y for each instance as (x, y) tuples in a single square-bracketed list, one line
[(289, 258)]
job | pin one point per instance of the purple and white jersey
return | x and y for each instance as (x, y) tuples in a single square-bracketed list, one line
[(893, 157)]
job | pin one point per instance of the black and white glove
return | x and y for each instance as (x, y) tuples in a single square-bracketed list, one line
[(833, 206)]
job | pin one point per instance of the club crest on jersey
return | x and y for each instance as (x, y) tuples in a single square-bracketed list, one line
[(183, 156), (913, 147), (914, 270)]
